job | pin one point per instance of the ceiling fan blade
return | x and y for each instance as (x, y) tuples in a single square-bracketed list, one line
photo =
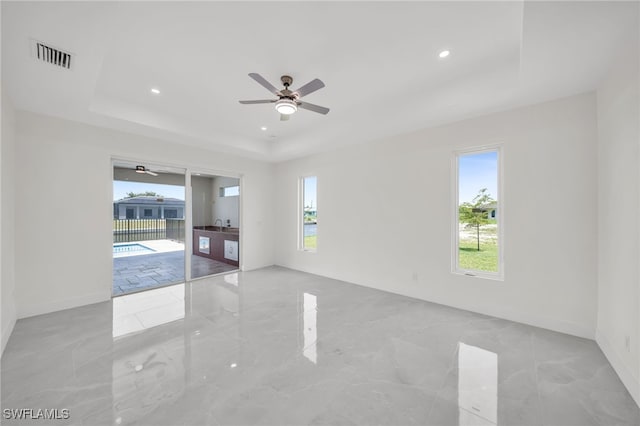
[(313, 107), (264, 83), (284, 117), (149, 172), (310, 87), (261, 101)]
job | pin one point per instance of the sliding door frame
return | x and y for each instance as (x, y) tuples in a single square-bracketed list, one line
[(218, 173), (188, 208)]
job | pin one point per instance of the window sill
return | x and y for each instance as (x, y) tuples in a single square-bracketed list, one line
[(478, 274)]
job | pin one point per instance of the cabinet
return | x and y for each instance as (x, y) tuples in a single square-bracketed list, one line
[(222, 246)]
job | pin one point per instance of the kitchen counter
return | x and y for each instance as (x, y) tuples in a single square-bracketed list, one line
[(217, 243)]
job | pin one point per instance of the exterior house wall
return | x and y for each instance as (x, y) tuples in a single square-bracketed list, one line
[(225, 208), (157, 211), (202, 196)]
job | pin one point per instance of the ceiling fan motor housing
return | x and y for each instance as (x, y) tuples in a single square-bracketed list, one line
[(286, 80)]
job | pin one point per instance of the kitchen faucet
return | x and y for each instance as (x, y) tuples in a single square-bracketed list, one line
[(216, 221)]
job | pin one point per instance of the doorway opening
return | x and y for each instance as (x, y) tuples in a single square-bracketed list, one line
[(148, 227), (216, 224)]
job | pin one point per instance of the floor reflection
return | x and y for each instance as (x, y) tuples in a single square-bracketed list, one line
[(139, 311), (477, 386), (310, 330), (231, 279), (253, 348)]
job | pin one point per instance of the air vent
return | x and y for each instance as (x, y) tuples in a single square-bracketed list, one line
[(51, 55)]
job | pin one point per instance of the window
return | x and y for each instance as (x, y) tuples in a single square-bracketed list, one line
[(148, 213), (308, 213), (477, 248), (230, 191)]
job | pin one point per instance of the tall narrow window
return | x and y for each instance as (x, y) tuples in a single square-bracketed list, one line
[(309, 213), (477, 212)]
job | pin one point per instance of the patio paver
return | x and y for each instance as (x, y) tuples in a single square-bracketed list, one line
[(142, 272)]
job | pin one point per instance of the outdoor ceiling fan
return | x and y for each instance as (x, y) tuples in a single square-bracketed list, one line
[(288, 101), (143, 169)]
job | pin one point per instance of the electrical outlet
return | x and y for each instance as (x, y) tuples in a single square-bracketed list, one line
[(627, 343)]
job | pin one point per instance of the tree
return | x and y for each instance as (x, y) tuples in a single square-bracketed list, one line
[(474, 214), (139, 194)]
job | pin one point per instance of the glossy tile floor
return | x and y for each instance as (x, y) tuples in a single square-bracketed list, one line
[(281, 347), (201, 267)]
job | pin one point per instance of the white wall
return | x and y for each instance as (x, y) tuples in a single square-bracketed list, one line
[(618, 214), (63, 256), (384, 217), (202, 196), (225, 207), (7, 217)]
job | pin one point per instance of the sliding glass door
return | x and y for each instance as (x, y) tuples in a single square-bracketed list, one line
[(148, 227), (215, 222)]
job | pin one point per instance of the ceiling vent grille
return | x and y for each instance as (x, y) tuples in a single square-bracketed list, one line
[(51, 55)]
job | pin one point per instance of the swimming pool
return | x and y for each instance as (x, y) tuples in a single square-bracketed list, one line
[(129, 249)]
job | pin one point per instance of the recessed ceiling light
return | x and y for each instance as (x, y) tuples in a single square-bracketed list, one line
[(263, 128), (444, 54), (155, 91)]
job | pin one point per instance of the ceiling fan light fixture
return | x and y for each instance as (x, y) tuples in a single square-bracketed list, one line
[(286, 106), (140, 169)]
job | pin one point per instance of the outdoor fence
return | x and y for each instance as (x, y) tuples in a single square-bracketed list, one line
[(175, 229), (130, 230)]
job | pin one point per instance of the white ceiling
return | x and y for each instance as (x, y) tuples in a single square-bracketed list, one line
[(379, 62)]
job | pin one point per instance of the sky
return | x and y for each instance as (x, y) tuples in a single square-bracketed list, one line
[(120, 189), (310, 187), (477, 171)]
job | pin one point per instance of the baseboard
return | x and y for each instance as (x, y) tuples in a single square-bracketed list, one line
[(60, 305), (7, 329), (630, 382)]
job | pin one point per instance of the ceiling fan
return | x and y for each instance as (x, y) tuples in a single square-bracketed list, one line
[(288, 101), (143, 169)]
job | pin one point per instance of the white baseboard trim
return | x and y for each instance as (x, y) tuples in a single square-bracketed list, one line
[(7, 329), (630, 382), (60, 305)]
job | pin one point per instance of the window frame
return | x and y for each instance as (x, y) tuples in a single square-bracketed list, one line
[(455, 173), (223, 191), (300, 214)]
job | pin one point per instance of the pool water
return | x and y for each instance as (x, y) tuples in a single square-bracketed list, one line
[(121, 250)]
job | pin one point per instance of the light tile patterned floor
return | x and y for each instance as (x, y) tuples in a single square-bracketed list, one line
[(281, 347)]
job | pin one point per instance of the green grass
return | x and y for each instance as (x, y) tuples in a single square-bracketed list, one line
[(310, 242), (484, 260)]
